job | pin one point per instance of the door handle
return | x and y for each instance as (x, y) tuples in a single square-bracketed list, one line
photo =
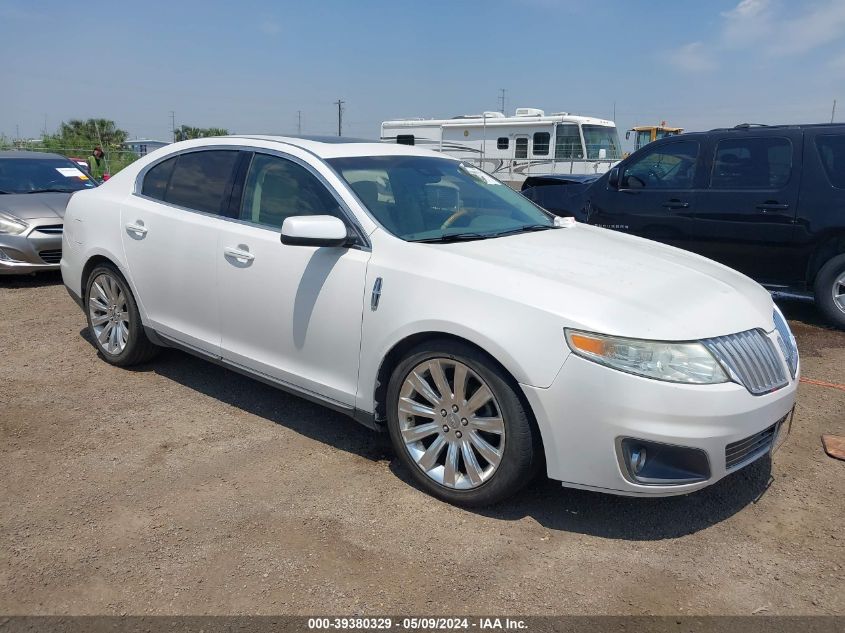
[(676, 204), (238, 253), (138, 228), (772, 206)]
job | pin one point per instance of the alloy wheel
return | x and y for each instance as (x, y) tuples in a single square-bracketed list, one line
[(838, 291), (451, 424), (108, 313)]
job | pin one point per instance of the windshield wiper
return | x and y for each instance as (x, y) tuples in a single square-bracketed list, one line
[(529, 228), (51, 190), (452, 237)]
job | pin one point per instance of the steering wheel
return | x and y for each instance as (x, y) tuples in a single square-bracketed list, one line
[(454, 217)]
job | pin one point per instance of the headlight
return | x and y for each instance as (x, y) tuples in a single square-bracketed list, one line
[(673, 362), (10, 225), (786, 341)]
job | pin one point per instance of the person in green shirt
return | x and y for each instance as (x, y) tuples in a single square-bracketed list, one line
[(97, 163)]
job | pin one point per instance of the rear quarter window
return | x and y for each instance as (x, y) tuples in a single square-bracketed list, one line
[(157, 178), (831, 148)]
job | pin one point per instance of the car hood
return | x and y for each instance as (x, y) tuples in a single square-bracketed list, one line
[(35, 206), (608, 282)]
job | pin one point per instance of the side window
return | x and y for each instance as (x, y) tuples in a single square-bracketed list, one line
[(157, 178), (541, 143), (503, 142), (670, 166), (832, 152), (405, 139), (567, 142), (751, 163), (200, 180), (520, 147), (277, 188)]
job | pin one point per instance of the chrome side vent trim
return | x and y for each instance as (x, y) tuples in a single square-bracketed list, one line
[(376, 296), (750, 359)]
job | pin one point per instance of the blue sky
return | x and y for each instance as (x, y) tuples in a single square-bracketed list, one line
[(249, 66)]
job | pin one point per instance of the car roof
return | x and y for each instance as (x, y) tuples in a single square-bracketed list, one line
[(22, 153), (763, 127), (321, 146)]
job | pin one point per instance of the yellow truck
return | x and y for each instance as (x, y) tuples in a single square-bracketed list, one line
[(645, 134)]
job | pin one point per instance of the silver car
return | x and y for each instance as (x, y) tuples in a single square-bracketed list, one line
[(34, 190)]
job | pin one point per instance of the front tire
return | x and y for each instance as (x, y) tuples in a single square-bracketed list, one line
[(113, 318), (830, 290), (458, 425)]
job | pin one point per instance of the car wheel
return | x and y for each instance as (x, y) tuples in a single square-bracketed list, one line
[(114, 320), (830, 290), (458, 425)]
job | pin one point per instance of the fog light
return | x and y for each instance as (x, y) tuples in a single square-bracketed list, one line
[(652, 463), (638, 456)]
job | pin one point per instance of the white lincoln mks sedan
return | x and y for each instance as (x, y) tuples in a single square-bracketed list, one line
[(421, 296)]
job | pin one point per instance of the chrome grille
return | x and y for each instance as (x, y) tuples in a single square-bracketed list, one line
[(750, 448), (750, 358), (51, 229), (52, 256)]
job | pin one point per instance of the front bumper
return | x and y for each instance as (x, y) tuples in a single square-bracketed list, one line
[(590, 408), (37, 249)]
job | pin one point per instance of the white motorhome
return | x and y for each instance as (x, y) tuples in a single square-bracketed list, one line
[(530, 143)]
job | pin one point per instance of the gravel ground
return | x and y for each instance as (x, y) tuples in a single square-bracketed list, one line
[(182, 488)]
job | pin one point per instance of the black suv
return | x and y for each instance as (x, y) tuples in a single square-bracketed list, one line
[(768, 201)]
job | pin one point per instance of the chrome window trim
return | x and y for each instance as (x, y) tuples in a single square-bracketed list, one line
[(361, 242)]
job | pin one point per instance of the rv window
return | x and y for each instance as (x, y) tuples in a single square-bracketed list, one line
[(405, 139), (502, 142), (521, 149), (541, 143), (568, 142)]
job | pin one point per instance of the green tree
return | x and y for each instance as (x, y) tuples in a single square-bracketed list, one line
[(78, 138), (185, 132), (91, 132)]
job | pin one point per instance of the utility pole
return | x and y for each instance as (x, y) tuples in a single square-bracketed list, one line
[(299, 122), (614, 111), (340, 103), (173, 125), (502, 99), (833, 112)]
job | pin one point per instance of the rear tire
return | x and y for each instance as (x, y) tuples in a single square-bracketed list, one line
[(830, 290), (113, 318), (487, 448)]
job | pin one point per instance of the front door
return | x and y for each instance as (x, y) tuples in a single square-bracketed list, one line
[(656, 195), (170, 234), (291, 313), (745, 217)]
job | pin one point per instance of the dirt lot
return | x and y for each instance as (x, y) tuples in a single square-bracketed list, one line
[(183, 488)]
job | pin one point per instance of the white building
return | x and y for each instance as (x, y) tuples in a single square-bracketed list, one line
[(143, 146)]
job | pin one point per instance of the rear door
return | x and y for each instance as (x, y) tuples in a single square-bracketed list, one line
[(171, 230), (656, 195), (745, 216)]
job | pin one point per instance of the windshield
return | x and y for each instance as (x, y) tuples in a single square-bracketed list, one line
[(601, 137), (420, 198), (31, 175)]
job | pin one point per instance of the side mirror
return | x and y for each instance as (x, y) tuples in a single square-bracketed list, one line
[(314, 230), (613, 178), (602, 154)]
